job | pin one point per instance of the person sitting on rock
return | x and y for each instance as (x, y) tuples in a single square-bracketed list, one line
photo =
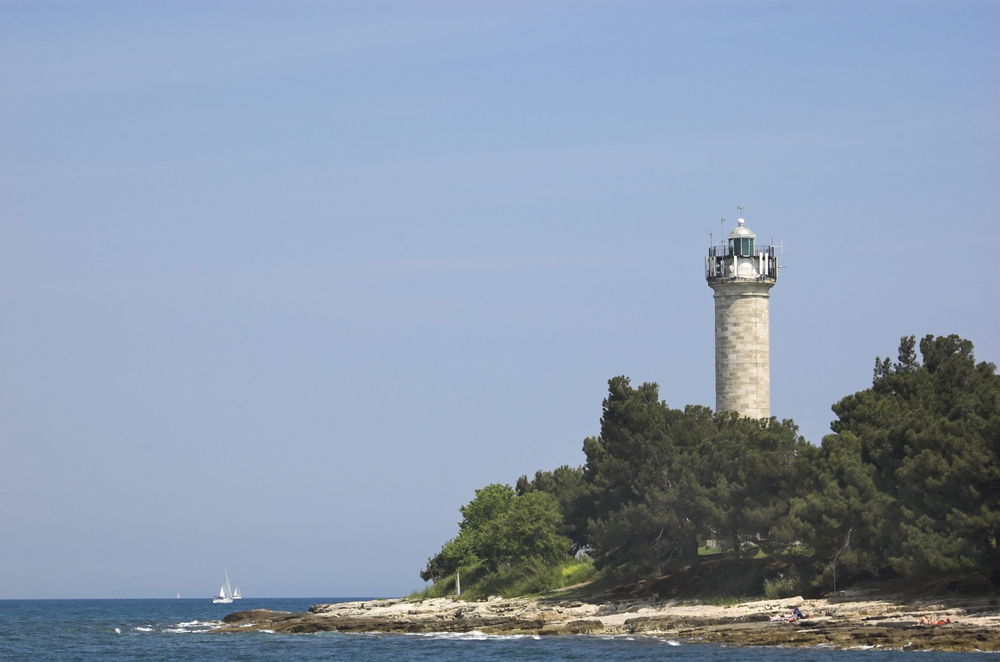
[(790, 616)]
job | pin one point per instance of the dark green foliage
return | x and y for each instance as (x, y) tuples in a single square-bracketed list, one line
[(909, 482), (929, 438), (663, 478), (647, 498), (636, 540), (756, 468), (841, 515)]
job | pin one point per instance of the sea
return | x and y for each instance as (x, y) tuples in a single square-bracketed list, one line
[(183, 630)]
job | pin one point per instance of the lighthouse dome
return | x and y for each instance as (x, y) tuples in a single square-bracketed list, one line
[(741, 241), (741, 230)]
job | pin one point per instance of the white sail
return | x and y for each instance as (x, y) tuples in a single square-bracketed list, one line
[(225, 595), (236, 594)]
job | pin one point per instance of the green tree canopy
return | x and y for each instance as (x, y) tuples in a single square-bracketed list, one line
[(914, 465), (490, 503), (754, 469), (527, 532), (841, 514), (574, 495), (500, 529), (663, 478), (909, 480), (647, 496)]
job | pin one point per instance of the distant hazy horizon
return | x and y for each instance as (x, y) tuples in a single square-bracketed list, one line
[(281, 284)]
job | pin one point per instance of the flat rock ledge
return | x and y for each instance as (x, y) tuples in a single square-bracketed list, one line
[(834, 623)]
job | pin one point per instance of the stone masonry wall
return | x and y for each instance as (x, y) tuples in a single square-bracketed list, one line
[(742, 348)]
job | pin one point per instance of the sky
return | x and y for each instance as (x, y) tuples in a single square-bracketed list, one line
[(282, 284)]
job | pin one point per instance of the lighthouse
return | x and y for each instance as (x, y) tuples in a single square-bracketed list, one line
[(742, 274)]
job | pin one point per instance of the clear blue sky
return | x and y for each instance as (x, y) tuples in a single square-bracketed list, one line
[(282, 283)]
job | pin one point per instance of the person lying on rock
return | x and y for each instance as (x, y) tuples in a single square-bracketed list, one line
[(927, 620)]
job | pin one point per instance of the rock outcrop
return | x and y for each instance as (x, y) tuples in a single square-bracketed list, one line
[(840, 623)]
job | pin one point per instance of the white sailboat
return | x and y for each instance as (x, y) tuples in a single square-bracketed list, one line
[(225, 595), (236, 594)]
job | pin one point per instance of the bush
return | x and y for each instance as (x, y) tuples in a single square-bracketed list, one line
[(532, 576), (783, 586), (578, 572)]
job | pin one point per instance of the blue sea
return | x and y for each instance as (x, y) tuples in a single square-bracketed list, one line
[(41, 630)]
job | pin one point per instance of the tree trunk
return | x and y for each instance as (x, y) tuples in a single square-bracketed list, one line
[(689, 550)]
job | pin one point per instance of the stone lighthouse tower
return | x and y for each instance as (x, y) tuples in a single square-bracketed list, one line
[(742, 275)]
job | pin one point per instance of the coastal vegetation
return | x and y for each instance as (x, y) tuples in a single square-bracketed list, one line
[(707, 503)]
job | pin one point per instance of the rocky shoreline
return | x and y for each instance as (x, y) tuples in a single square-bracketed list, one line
[(850, 621)]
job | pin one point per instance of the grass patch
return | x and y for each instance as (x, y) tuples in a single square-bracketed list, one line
[(577, 573), (530, 578), (786, 585)]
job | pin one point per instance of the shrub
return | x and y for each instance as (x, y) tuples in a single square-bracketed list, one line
[(783, 586)]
